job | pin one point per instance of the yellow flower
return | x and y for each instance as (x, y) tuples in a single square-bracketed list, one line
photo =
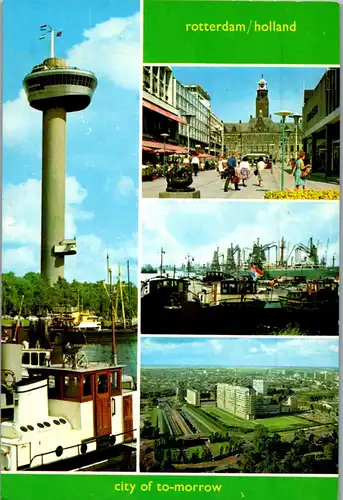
[(310, 194)]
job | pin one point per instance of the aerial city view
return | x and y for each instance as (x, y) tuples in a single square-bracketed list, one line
[(69, 399), (239, 405), (237, 132), (212, 269)]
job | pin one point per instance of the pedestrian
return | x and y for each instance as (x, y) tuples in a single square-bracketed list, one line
[(230, 173), (300, 171), (244, 168), (220, 167), (260, 165), (195, 165)]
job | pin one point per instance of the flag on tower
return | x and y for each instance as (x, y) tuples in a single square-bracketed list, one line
[(59, 33), (41, 37), (43, 27), (255, 272)]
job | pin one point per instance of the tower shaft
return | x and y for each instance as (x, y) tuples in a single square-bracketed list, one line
[(53, 192)]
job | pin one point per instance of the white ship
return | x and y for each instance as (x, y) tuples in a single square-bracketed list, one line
[(62, 411)]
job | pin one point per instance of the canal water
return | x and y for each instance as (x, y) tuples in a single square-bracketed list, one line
[(126, 353)]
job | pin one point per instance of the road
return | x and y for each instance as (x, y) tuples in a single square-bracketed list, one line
[(210, 185)]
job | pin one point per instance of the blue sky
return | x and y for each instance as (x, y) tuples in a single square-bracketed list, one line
[(198, 228), (235, 352), (233, 90), (102, 141)]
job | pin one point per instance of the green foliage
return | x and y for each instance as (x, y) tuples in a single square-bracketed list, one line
[(40, 297)]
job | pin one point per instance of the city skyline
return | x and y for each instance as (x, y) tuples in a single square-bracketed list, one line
[(269, 352), (198, 229), (102, 141), (233, 89)]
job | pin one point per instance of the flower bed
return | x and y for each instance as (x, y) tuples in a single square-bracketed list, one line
[(308, 194)]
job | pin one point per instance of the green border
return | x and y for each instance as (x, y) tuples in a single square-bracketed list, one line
[(315, 41), (83, 486)]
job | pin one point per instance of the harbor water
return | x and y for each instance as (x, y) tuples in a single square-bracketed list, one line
[(126, 353)]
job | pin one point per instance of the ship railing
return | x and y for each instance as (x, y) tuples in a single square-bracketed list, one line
[(83, 446)]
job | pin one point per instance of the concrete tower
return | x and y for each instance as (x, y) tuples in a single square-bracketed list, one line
[(262, 101), (56, 89)]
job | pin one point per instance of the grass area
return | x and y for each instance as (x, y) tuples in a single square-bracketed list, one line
[(194, 449), (212, 427), (282, 422), (229, 419), (7, 323), (154, 417), (216, 447)]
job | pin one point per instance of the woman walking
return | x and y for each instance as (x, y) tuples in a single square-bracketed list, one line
[(300, 172), (259, 167), (244, 168)]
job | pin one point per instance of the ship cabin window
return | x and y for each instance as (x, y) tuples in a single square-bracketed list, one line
[(54, 387), (102, 382), (86, 388), (26, 358), (71, 387), (115, 378), (34, 358)]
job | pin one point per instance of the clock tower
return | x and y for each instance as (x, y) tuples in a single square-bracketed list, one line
[(262, 101)]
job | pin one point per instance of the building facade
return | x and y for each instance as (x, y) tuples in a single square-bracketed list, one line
[(238, 400), (160, 121), (321, 124), (261, 135), (193, 397), (192, 102), (260, 386)]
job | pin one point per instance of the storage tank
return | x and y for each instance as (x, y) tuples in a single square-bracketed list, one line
[(11, 363)]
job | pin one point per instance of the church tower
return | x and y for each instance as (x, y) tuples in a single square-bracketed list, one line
[(262, 101)]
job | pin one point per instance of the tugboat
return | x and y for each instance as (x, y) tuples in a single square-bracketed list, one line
[(314, 295), (64, 410)]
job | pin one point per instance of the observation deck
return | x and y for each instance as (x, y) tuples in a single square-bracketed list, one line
[(53, 84)]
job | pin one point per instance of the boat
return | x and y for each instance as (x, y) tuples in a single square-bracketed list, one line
[(314, 295), (65, 410)]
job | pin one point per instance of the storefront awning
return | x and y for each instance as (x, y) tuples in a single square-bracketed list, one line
[(158, 147), (162, 111)]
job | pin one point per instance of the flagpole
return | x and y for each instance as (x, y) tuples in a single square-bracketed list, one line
[(52, 44)]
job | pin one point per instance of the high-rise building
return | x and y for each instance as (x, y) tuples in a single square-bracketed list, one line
[(193, 397), (260, 386), (238, 400)]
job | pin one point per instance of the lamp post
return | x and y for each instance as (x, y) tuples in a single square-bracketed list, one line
[(164, 149), (296, 117), (283, 115), (188, 117), (288, 133)]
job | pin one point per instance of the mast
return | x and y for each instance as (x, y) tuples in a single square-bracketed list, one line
[(121, 296), (108, 268), (113, 320), (129, 289), (161, 266)]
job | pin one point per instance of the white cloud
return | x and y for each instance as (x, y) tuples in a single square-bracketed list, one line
[(22, 210), (22, 259), (21, 123), (112, 51), (301, 347), (238, 226), (126, 186), (216, 345)]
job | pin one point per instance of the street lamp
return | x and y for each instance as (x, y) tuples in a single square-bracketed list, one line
[(296, 117), (164, 149), (283, 115), (288, 133), (188, 117)]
